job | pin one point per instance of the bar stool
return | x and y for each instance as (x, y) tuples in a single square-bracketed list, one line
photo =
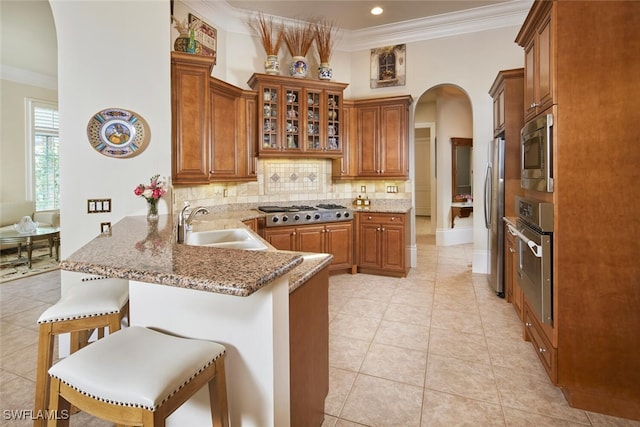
[(139, 376), (83, 308)]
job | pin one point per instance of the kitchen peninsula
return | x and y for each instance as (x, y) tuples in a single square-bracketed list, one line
[(246, 300)]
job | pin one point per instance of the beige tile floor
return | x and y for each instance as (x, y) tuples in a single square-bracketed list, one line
[(434, 349)]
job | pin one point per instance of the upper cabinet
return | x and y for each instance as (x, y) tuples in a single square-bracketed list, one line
[(344, 167), (536, 37), (213, 132), (382, 129), (190, 122), (298, 117), (507, 93)]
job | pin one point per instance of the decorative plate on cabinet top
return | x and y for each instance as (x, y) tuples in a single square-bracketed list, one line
[(119, 133)]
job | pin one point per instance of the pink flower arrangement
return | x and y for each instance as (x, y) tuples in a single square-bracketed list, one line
[(152, 192)]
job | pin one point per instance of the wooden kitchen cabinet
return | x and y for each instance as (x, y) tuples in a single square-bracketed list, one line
[(344, 168), (213, 136), (513, 292), (191, 111), (536, 37), (332, 238), (546, 352), (298, 117), (507, 92), (382, 137), (596, 321), (309, 350), (381, 243), (283, 238)]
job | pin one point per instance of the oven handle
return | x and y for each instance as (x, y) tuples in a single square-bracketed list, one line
[(535, 248)]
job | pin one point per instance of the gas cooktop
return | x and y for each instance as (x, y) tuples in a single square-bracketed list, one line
[(303, 214)]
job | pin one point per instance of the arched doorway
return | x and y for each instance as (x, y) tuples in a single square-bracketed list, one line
[(442, 112)]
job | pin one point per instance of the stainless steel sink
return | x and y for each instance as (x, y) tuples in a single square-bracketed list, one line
[(232, 238)]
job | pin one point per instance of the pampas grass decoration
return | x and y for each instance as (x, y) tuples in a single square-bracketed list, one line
[(270, 34)]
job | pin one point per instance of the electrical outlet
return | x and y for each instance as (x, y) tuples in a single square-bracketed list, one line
[(105, 228), (225, 193), (392, 188), (363, 188)]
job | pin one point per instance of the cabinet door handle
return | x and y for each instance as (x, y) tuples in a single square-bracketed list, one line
[(382, 229), (293, 233), (369, 218), (528, 324), (512, 250), (393, 218), (378, 229), (542, 350)]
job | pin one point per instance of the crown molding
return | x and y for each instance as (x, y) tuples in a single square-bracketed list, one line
[(26, 77), (501, 15)]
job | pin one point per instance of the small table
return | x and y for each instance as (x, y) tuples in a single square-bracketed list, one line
[(461, 209), (52, 234)]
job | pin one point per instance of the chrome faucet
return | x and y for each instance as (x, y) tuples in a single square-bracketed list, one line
[(184, 225)]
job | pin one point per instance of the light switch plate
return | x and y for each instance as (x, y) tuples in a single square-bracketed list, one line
[(98, 205)]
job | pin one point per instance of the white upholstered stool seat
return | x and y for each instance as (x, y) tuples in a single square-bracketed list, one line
[(138, 376), (97, 303), (105, 296)]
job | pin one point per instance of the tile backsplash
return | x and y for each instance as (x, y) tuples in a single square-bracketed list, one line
[(285, 181)]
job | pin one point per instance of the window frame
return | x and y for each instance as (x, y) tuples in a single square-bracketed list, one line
[(30, 106)]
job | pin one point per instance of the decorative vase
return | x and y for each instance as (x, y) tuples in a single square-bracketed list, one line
[(271, 65), (191, 46), (186, 42), (182, 42), (152, 210), (298, 67), (325, 72)]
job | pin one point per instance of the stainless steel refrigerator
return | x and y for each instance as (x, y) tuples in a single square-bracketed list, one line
[(493, 213)]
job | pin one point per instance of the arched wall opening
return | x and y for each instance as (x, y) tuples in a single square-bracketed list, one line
[(442, 112)]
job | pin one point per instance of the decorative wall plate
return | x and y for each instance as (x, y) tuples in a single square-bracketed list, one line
[(115, 132)]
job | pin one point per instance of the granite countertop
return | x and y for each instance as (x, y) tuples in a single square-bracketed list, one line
[(135, 251), (386, 206)]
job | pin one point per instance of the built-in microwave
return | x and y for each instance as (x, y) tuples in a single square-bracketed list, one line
[(536, 153)]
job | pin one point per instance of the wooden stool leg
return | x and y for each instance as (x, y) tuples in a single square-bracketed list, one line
[(58, 406), (218, 396), (45, 360)]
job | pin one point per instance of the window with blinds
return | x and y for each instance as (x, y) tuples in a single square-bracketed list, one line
[(46, 159)]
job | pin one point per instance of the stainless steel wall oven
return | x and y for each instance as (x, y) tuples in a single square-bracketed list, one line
[(534, 230)]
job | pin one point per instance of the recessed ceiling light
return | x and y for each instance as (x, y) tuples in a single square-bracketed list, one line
[(376, 10)]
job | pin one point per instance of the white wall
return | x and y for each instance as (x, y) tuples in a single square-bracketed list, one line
[(109, 55)]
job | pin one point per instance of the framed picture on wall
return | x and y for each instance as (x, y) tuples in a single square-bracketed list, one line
[(388, 66), (205, 34)]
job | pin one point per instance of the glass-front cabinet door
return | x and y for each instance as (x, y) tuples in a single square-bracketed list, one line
[(269, 114), (313, 131), (334, 128), (292, 119), (298, 117)]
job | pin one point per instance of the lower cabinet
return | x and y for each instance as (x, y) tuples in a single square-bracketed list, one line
[(309, 350), (513, 292), (533, 332), (381, 244), (334, 238)]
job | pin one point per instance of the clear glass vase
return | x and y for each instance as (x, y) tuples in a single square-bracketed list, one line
[(152, 210)]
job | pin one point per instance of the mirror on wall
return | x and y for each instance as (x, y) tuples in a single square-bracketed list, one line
[(461, 169)]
